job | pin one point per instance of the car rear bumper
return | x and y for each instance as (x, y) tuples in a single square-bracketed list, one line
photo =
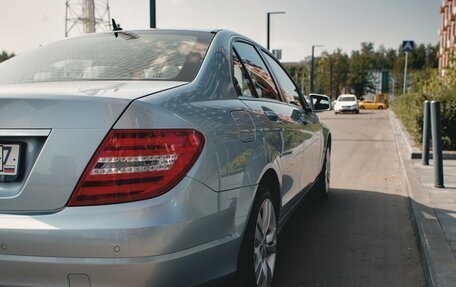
[(184, 268), (346, 109), (185, 237)]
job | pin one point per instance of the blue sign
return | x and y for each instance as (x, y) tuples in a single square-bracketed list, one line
[(277, 53), (407, 46)]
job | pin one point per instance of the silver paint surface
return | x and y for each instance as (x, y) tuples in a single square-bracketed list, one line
[(148, 242)]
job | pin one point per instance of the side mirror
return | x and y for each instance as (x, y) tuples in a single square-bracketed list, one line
[(308, 102), (320, 103)]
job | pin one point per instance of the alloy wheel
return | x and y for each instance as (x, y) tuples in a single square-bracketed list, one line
[(327, 170), (265, 244)]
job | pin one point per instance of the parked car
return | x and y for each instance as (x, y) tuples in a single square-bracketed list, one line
[(346, 103), (151, 158), (379, 102), (371, 105)]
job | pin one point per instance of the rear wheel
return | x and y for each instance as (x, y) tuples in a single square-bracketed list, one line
[(361, 107), (325, 177), (259, 247), (380, 107)]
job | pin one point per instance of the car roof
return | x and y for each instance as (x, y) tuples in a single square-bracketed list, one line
[(315, 94), (212, 31), (347, 95)]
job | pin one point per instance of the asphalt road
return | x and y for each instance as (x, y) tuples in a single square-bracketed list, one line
[(363, 235)]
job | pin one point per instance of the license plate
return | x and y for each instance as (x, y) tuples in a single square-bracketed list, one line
[(9, 159)]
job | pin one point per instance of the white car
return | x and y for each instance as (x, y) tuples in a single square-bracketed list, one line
[(346, 103)]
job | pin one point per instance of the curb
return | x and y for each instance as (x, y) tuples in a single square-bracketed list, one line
[(412, 149), (439, 264), (445, 155)]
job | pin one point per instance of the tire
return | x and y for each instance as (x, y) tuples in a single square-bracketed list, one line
[(357, 112), (361, 107), (258, 251), (380, 108), (324, 177)]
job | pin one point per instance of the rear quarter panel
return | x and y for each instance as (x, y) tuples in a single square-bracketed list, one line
[(206, 104)]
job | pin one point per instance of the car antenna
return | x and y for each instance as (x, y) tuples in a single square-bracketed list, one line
[(115, 27)]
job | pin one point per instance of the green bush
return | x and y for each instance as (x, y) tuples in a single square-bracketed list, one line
[(409, 107)]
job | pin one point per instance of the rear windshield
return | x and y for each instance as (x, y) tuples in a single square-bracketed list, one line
[(138, 55), (347, 99)]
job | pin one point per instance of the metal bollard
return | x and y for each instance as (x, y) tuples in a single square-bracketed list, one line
[(426, 132), (437, 144)]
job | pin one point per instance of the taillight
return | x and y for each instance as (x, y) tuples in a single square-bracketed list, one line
[(137, 164)]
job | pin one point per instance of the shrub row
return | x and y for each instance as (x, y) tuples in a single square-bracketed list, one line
[(409, 107)]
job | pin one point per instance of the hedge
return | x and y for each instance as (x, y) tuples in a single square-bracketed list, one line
[(409, 107)]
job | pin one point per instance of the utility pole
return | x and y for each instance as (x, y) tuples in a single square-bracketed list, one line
[(268, 28), (89, 15), (393, 86), (330, 78), (312, 75), (86, 17), (153, 14)]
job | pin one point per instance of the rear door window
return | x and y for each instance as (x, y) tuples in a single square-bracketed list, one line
[(262, 81), (287, 87), (241, 82)]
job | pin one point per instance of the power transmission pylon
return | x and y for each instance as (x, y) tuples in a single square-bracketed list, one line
[(84, 16)]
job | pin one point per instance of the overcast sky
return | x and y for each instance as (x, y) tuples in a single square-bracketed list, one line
[(25, 24)]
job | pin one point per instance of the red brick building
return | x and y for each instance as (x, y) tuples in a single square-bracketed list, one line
[(447, 33)]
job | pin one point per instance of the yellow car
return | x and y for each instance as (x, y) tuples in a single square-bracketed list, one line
[(371, 105)]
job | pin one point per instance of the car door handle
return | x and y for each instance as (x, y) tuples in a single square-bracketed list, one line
[(271, 115)]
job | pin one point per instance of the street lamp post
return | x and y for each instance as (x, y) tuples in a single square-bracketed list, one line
[(268, 28), (153, 14), (330, 77), (312, 75)]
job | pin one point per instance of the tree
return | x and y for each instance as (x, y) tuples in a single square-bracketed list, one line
[(341, 71), (352, 73), (361, 64), (300, 74), (432, 60), (5, 56)]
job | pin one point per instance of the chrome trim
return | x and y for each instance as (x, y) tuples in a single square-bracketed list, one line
[(21, 132)]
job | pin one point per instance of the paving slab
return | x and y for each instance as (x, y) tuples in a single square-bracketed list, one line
[(433, 209)]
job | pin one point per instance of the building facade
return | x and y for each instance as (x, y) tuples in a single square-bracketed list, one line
[(447, 34)]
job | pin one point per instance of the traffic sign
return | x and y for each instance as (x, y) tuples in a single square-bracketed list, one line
[(407, 46), (277, 53)]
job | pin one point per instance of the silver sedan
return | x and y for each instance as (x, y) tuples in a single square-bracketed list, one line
[(151, 158)]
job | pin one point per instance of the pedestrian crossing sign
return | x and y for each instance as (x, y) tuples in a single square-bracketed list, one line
[(407, 46)]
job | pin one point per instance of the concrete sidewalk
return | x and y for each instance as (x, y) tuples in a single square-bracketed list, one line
[(443, 200), (433, 210)]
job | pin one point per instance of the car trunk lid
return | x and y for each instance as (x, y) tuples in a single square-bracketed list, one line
[(58, 127)]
